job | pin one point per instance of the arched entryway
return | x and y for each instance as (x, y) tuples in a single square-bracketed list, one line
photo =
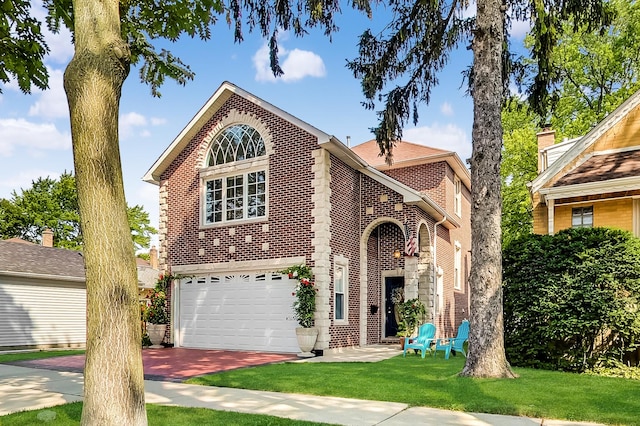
[(385, 268)]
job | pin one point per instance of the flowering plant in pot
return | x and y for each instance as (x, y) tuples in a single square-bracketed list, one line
[(304, 304), (304, 307)]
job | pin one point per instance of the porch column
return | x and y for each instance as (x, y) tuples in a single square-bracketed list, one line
[(550, 213)]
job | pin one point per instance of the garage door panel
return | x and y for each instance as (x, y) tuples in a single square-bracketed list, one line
[(243, 311)]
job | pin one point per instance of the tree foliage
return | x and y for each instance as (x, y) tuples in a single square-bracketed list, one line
[(519, 167), (572, 299), (594, 70), (53, 203)]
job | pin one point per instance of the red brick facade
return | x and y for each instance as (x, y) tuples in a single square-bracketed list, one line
[(366, 219)]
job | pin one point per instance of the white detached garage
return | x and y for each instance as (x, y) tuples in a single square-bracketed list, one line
[(42, 297), (237, 311)]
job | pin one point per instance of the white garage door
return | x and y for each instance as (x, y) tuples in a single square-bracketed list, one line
[(42, 313), (237, 311)]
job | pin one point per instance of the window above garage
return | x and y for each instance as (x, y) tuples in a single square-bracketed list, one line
[(234, 179)]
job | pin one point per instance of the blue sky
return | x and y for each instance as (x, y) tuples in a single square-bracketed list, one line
[(35, 139)]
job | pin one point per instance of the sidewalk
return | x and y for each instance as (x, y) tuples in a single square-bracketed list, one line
[(29, 388)]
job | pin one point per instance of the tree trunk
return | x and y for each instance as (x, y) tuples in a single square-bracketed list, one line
[(113, 375), (486, 336)]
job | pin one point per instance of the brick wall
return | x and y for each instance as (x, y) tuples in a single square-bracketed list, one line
[(287, 232), (345, 241)]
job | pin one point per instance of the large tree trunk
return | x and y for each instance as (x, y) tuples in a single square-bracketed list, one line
[(114, 380), (486, 336)]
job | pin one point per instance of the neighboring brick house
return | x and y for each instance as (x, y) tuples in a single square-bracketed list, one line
[(592, 181), (247, 189)]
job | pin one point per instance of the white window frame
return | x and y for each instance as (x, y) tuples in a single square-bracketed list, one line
[(341, 267), (457, 266), (228, 170), (457, 196), (582, 217)]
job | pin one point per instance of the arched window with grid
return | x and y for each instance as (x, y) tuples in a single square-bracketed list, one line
[(230, 195), (236, 143)]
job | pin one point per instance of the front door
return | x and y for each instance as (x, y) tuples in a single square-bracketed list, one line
[(391, 323)]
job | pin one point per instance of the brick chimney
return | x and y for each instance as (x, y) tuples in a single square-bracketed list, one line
[(153, 257), (546, 138), (47, 238)]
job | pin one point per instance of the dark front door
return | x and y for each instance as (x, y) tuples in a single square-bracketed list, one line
[(391, 323)]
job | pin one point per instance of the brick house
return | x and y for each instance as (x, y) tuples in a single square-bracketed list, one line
[(593, 180), (247, 189)]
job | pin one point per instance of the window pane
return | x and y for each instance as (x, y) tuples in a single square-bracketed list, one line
[(339, 306), (213, 199), (339, 280), (236, 143)]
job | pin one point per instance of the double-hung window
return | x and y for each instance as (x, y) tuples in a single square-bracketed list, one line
[(457, 196), (457, 266), (235, 181), (340, 286)]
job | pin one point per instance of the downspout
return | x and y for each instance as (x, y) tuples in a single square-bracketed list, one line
[(435, 268)]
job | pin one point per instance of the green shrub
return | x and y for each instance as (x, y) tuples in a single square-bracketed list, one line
[(571, 299)]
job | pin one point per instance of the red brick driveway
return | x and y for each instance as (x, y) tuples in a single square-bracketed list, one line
[(173, 364)]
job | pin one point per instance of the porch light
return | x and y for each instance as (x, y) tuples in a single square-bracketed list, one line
[(397, 254)]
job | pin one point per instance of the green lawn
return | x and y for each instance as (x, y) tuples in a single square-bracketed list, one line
[(25, 356), (434, 383), (69, 415)]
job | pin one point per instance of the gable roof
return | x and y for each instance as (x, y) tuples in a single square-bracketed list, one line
[(610, 166), (577, 151), (407, 154), (215, 102), (329, 142), (35, 261)]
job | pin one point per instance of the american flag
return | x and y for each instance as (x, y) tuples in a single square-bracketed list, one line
[(411, 245)]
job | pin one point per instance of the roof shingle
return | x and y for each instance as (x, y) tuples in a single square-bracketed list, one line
[(38, 260)]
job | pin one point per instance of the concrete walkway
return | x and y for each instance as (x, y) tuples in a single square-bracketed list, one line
[(24, 388)]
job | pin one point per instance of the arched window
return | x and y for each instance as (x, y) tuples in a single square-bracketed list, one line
[(236, 143), (235, 193)]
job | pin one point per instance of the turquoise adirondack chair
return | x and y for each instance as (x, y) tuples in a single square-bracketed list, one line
[(455, 343), (422, 342)]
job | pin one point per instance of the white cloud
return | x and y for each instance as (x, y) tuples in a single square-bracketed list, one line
[(35, 137), (446, 109), (51, 103), (296, 64), (129, 122), (23, 180), (156, 121), (449, 137)]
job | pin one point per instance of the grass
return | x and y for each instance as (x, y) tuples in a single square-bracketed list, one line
[(434, 383), (26, 356), (157, 415)]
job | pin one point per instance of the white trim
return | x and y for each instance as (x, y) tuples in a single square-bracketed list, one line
[(550, 217), (209, 175), (457, 265), (342, 263), (239, 266), (589, 139), (215, 102), (457, 196), (636, 216), (43, 276), (591, 188)]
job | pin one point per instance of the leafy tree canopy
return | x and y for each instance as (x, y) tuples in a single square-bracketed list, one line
[(53, 203)]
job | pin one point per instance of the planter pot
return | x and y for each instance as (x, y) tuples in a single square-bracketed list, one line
[(156, 334), (306, 341)]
